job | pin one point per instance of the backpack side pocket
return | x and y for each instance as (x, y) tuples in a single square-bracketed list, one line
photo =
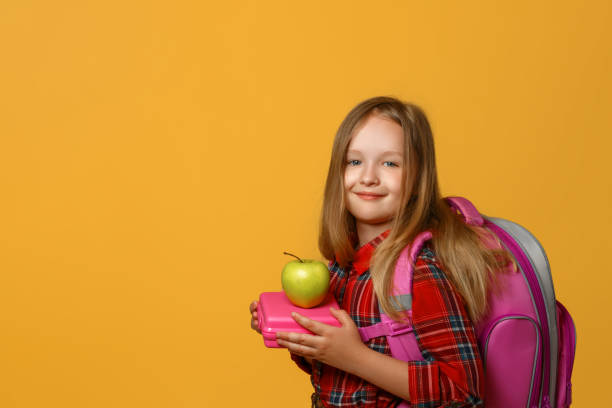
[(567, 352)]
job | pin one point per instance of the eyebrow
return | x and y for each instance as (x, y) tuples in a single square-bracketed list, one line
[(385, 152)]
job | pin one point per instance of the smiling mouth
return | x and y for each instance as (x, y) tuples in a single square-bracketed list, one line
[(369, 196)]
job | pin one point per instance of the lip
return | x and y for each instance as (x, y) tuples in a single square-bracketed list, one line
[(369, 196)]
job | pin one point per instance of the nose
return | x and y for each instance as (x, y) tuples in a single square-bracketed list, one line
[(368, 175)]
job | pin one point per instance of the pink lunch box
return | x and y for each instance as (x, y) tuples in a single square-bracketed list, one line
[(274, 315)]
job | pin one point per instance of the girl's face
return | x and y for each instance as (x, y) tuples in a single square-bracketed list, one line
[(373, 174)]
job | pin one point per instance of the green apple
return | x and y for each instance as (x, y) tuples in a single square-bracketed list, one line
[(305, 282)]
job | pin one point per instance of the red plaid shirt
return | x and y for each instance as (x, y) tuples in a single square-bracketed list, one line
[(452, 373)]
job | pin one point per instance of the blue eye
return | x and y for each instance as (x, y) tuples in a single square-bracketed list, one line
[(353, 162), (391, 163)]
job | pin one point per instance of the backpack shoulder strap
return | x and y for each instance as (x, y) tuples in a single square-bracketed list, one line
[(400, 336), (404, 271), (466, 209)]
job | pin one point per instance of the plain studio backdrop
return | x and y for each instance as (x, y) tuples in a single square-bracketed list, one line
[(156, 159)]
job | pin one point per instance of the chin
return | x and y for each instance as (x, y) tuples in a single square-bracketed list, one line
[(373, 220)]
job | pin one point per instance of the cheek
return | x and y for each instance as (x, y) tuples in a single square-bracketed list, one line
[(349, 178), (395, 183)]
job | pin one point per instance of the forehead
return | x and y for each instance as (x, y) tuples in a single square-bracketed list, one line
[(377, 134)]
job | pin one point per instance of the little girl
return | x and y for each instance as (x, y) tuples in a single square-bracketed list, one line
[(381, 191)]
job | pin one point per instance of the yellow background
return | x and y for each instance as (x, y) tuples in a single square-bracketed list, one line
[(156, 159)]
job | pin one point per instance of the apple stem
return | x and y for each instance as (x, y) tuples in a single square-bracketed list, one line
[(295, 256)]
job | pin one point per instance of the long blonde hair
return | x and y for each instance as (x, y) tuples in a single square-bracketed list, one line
[(468, 264)]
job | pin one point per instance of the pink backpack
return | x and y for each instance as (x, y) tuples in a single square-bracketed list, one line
[(528, 339)]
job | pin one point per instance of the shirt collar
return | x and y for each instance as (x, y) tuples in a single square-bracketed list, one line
[(361, 261)]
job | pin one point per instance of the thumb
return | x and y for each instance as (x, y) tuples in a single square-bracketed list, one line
[(342, 316)]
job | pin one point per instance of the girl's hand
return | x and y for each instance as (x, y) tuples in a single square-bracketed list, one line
[(339, 347), (254, 321)]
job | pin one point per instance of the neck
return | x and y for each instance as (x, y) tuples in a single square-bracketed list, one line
[(367, 232)]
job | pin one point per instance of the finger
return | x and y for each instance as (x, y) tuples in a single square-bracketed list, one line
[(255, 323), (342, 316), (312, 325), (253, 306), (255, 326), (299, 349), (304, 339)]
